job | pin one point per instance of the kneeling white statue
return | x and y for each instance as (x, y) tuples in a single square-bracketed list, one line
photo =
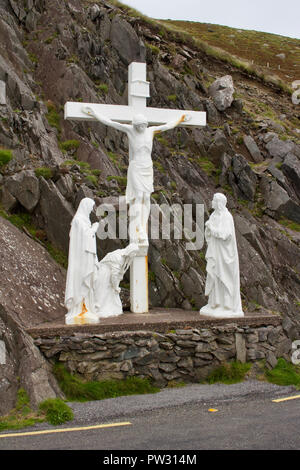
[(223, 276), (109, 273), (79, 297)]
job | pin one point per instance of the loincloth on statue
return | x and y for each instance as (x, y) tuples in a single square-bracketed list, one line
[(139, 179)]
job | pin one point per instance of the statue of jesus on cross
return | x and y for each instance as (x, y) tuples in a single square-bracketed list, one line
[(133, 120), (140, 169)]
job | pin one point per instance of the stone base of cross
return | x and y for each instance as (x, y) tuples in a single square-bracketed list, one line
[(138, 92)]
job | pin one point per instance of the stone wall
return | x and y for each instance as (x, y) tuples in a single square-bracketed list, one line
[(187, 355)]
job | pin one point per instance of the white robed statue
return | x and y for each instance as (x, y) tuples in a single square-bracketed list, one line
[(223, 275), (108, 275), (79, 297), (140, 170)]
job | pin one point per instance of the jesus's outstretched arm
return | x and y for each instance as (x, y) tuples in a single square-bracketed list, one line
[(169, 125), (104, 120)]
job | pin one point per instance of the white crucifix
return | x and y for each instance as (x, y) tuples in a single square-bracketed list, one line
[(134, 120)]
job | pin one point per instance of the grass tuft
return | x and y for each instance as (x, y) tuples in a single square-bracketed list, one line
[(43, 171), (56, 411), (53, 116), (230, 373), (5, 157), (284, 373), (53, 410), (290, 224), (77, 390), (69, 145)]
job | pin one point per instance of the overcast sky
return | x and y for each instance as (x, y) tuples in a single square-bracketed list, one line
[(271, 16)]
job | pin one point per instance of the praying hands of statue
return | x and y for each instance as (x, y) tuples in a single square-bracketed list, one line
[(95, 226)]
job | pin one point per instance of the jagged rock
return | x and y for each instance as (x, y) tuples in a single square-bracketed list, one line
[(279, 148), (278, 202), (225, 169), (193, 286), (253, 148), (66, 186), (218, 147), (213, 116), (178, 61), (8, 201), (291, 168), (94, 11), (275, 126), (18, 10), (222, 91), (25, 367), (83, 191), (57, 214), (32, 284), (251, 233), (238, 106), (275, 171), (125, 41), (24, 186), (243, 178)]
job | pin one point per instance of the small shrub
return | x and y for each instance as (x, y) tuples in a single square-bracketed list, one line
[(103, 88), (56, 411), (44, 172), (53, 116), (73, 59), (69, 145), (5, 157), (122, 180), (113, 157), (159, 166), (284, 373), (51, 38), (22, 400), (172, 98), (290, 224), (231, 373), (206, 165), (96, 172), (92, 179), (153, 49)]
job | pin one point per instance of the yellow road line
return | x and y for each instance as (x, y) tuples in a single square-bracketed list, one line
[(286, 399), (52, 431)]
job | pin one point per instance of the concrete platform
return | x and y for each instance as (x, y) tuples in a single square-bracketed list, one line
[(160, 320)]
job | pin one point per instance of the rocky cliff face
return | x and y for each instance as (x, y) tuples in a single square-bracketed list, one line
[(53, 52)]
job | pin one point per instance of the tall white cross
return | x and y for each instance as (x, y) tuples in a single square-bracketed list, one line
[(138, 92)]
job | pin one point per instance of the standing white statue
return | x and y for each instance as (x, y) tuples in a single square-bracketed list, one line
[(140, 170), (223, 274), (79, 297), (109, 273)]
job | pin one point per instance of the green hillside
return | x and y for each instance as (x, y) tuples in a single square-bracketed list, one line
[(260, 49)]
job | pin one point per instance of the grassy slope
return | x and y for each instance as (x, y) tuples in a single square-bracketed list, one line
[(261, 48)]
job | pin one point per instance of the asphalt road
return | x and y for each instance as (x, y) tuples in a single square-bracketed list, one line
[(244, 417)]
